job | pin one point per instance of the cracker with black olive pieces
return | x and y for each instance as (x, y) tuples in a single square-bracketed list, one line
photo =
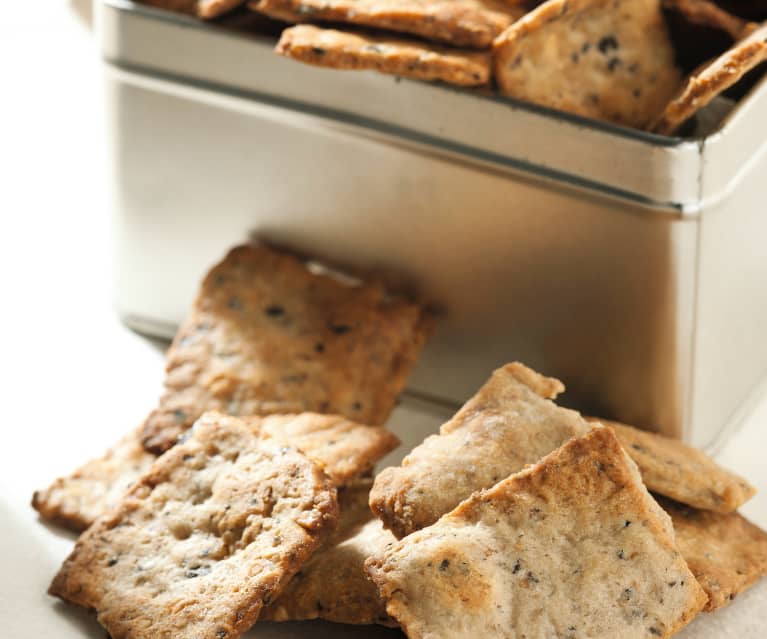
[(462, 23), (574, 546), (268, 335), (726, 552), (405, 58), (683, 473), (508, 424), (333, 584), (77, 500), (207, 537), (712, 79), (345, 450), (606, 59), (708, 14)]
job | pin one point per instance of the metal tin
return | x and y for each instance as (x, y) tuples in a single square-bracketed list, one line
[(629, 265)]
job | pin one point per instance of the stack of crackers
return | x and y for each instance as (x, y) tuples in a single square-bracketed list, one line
[(612, 60), (248, 494)]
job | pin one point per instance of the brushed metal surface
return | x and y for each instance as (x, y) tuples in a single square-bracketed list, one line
[(613, 283)]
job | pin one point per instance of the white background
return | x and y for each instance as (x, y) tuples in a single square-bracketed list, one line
[(72, 378)]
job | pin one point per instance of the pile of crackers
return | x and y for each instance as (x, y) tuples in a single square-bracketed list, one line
[(646, 64), (248, 494)]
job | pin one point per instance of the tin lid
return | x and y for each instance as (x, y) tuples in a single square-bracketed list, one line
[(666, 174)]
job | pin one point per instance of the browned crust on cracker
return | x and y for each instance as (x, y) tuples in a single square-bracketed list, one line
[(508, 424), (463, 23), (410, 59), (683, 473), (574, 542), (212, 532), (726, 552), (711, 80), (267, 335)]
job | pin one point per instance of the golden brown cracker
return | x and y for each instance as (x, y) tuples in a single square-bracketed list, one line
[(605, 59), (463, 23), (711, 80), (409, 59), (726, 552), (203, 540), (571, 547), (267, 335)]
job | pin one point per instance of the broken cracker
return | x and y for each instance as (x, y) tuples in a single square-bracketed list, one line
[(508, 424), (410, 59), (208, 536), (333, 584), (346, 450), (267, 335), (573, 546), (77, 500), (606, 59), (681, 472), (464, 23), (726, 552), (712, 79)]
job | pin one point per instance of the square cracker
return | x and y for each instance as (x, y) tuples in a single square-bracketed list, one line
[(406, 58), (605, 59), (683, 473), (267, 335), (508, 424), (572, 547), (712, 79), (726, 552), (346, 450), (333, 584), (463, 23), (207, 537)]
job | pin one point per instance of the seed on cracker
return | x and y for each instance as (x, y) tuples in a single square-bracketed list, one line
[(207, 537), (410, 59), (726, 552), (463, 23), (710, 81), (571, 547), (605, 59), (267, 335)]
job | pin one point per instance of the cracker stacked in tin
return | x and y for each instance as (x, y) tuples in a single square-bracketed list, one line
[(247, 494), (647, 64)]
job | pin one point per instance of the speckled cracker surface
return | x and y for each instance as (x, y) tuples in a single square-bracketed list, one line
[(725, 552), (508, 424), (605, 59), (683, 473), (268, 335), (466, 23), (333, 584), (711, 80), (410, 59), (202, 541), (77, 500), (572, 547)]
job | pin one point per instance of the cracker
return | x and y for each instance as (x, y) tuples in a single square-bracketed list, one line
[(505, 426), (726, 552), (333, 584), (211, 533), (605, 59), (704, 13), (572, 547), (683, 473), (410, 59), (463, 23), (711, 80), (267, 335), (77, 500), (346, 450)]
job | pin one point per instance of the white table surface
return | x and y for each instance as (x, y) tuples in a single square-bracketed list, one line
[(72, 378)]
